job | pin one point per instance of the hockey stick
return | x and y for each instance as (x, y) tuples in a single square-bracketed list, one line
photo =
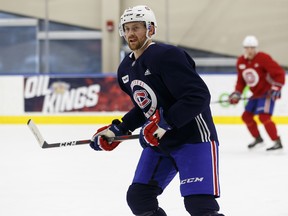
[(227, 101), (43, 144)]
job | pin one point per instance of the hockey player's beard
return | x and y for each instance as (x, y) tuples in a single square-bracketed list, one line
[(134, 45)]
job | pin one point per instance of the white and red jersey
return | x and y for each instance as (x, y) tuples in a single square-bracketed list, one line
[(259, 74)]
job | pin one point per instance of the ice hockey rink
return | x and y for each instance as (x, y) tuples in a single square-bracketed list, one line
[(73, 181)]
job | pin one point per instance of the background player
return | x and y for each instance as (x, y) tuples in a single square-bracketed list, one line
[(172, 108), (265, 78)]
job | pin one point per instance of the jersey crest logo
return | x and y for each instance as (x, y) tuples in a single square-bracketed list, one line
[(141, 98), (144, 96), (251, 77), (125, 79)]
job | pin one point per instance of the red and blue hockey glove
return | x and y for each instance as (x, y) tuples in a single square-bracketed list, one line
[(234, 97), (103, 138), (154, 129), (275, 92)]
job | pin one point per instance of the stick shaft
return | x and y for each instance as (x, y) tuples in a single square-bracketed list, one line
[(43, 144), (83, 142), (227, 101)]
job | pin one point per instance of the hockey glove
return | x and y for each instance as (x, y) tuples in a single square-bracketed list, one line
[(234, 98), (275, 92), (103, 138), (154, 129)]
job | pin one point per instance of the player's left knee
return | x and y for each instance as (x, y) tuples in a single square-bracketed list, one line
[(264, 118), (201, 205)]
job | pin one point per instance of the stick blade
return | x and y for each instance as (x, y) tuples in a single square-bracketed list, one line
[(34, 129)]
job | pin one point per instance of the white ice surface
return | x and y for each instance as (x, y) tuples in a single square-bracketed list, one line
[(76, 180)]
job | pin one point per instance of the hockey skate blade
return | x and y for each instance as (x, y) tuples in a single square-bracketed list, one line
[(258, 146), (279, 151), (34, 129)]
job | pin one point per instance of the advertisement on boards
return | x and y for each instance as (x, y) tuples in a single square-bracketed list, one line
[(59, 95)]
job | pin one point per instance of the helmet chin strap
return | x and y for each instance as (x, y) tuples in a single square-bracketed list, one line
[(144, 43), (147, 39)]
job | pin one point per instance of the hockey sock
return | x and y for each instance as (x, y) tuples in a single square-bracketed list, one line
[(251, 124), (201, 205), (269, 125)]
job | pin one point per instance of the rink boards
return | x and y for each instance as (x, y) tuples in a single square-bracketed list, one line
[(98, 100)]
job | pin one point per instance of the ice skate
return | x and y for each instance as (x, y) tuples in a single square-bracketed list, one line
[(277, 145), (257, 140)]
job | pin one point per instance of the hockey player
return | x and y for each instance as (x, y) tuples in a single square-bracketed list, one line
[(172, 109), (265, 78)]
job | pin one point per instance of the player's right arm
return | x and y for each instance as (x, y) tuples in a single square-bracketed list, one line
[(235, 96), (240, 82)]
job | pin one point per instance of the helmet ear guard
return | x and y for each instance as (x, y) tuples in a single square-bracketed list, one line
[(150, 26), (140, 13)]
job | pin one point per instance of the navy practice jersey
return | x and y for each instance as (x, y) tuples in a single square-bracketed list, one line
[(164, 76)]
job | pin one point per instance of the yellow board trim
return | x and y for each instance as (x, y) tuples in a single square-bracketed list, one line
[(238, 120), (58, 119), (106, 119)]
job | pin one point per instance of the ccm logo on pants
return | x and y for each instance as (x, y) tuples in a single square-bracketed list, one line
[(192, 180)]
